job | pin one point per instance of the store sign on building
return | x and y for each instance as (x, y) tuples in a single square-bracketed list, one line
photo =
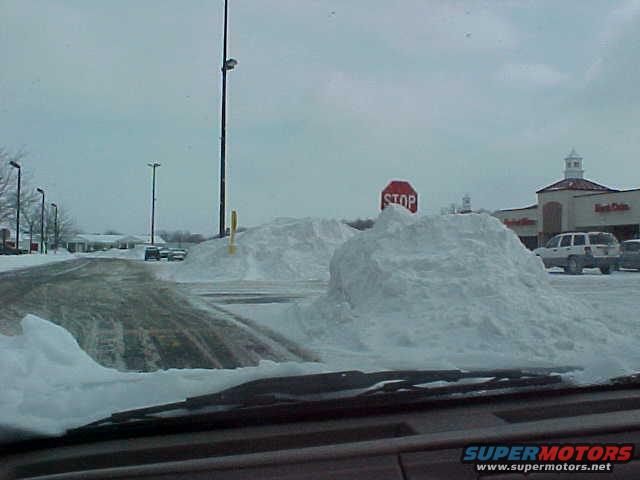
[(611, 207), (520, 222)]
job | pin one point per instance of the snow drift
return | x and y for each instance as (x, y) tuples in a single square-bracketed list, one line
[(50, 384), (285, 249), (447, 291)]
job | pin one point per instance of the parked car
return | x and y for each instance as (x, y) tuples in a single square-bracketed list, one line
[(177, 254), (152, 253), (164, 252), (574, 251), (630, 255), (8, 251)]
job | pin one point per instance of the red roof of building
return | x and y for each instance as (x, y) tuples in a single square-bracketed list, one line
[(576, 184)]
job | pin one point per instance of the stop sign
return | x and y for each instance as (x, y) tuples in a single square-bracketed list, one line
[(401, 193)]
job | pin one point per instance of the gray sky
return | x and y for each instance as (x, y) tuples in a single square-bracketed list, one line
[(331, 99)]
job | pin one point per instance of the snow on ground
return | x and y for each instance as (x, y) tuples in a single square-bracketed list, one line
[(14, 262), (50, 384), (453, 291), (285, 249)]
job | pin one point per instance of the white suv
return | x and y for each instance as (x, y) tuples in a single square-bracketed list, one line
[(577, 250)]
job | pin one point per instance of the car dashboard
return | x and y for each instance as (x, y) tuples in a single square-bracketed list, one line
[(418, 442)]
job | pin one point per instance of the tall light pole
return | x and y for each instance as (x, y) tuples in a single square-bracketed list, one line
[(153, 199), (41, 192), (16, 165), (227, 64), (55, 228)]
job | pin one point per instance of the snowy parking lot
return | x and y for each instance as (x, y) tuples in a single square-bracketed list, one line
[(442, 292)]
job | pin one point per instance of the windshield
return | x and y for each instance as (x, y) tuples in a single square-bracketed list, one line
[(631, 246), (324, 186)]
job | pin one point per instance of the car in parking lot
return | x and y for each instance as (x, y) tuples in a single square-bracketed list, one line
[(8, 251), (177, 254), (574, 251), (630, 255), (152, 253), (164, 252)]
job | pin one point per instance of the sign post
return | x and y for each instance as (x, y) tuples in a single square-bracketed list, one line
[(400, 193)]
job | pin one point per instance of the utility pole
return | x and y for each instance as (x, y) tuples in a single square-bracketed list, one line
[(153, 199), (227, 64)]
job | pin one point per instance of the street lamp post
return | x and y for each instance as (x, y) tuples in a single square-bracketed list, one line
[(153, 199), (55, 228), (16, 165), (227, 64), (41, 191)]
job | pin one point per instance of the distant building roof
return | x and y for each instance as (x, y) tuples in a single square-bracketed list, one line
[(114, 239), (98, 238), (530, 207), (575, 184)]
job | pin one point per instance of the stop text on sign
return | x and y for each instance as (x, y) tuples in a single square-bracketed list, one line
[(613, 207), (400, 193)]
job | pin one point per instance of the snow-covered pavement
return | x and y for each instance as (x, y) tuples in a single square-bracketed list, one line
[(126, 319), (16, 262)]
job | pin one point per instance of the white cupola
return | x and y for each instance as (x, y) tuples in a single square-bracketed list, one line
[(573, 165)]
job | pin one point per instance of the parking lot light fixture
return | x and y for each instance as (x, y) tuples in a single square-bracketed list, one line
[(55, 228), (41, 192), (17, 165)]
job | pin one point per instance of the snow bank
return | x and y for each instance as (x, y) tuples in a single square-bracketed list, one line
[(449, 291), (285, 249), (14, 262), (50, 384)]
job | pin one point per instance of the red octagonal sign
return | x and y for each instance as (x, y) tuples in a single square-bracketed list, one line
[(401, 193)]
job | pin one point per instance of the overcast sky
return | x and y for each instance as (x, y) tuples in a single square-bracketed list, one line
[(330, 100)]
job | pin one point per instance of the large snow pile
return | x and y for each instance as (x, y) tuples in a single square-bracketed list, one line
[(50, 384), (285, 249), (448, 291)]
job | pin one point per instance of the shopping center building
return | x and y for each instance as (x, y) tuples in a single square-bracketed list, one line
[(575, 204)]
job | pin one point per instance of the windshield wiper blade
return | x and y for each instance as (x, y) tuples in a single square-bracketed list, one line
[(308, 388), (631, 379)]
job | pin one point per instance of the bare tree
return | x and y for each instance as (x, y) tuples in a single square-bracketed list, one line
[(30, 220), (66, 226), (180, 236)]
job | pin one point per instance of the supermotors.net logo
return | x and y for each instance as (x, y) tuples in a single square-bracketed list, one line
[(547, 457)]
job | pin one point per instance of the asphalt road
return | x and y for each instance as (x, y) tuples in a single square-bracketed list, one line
[(125, 318)]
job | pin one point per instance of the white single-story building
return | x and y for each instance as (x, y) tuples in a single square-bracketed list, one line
[(575, 204), (87, 242)]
